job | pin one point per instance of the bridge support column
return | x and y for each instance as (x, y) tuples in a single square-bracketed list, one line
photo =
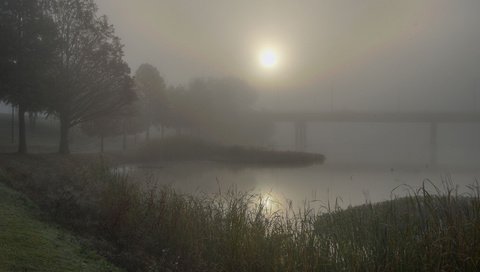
[(433, 144), (300, 135)]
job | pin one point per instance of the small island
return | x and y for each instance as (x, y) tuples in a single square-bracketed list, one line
[(191, 149)]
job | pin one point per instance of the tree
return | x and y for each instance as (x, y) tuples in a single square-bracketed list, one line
[(26, 48), (181, 111), (103, 127), (219, 109), (152, 90), (91, 78), (125, 122), (133, 122), (227, 94)]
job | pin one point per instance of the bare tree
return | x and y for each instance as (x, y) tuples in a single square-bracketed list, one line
[(91, 77)]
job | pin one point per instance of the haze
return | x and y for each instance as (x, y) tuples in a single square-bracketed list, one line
[(374, 55), (239, 135)]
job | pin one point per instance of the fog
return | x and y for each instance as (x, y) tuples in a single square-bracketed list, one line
[(207, 59), (221, 135), (333, 56), (378, 56), (372, 55)]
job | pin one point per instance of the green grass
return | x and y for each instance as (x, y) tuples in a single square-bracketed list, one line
[(27, 244)]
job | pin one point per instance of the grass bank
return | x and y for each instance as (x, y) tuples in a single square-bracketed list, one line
[(151, 228), (27, 244), (187, 148)]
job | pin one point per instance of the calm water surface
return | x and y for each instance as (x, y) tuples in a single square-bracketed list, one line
[(347, 184)]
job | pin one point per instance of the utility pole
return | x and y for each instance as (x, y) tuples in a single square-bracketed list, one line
[(475, 96), (331, 95)]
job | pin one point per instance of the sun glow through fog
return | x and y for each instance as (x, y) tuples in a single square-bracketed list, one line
[(268, 58)]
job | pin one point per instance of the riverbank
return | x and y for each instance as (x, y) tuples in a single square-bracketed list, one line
[(28, 244), (155, 228)]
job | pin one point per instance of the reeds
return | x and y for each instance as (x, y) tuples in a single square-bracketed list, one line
[(153, 228)]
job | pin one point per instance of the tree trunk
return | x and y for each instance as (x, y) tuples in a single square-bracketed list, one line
[(163, 131), (13, 124), (22, 135), (101, 143), (64, 131)]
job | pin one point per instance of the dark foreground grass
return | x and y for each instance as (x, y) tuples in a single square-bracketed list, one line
[(143, 227), (26, 244)]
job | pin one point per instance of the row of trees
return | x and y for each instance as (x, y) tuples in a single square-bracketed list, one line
[(60, 57), (220, 109), (150, 108)]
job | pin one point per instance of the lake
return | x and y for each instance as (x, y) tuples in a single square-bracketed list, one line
[(344, 183)]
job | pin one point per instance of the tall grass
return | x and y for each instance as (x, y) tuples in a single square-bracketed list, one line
[(146, 227)]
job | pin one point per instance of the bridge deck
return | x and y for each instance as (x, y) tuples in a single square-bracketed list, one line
[(375, 117)]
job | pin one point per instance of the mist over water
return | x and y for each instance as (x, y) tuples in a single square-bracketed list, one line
[(386, 144), (342, 183), (373, 56), (365, 163)]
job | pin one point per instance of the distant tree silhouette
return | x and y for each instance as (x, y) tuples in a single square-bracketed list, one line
[(27, 46), (105, 126), (120, 123), (181, 112), (220, 109), (91, 78), (133, 122), (151, 88)]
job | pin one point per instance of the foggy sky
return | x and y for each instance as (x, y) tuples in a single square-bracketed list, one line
[(359, 54)]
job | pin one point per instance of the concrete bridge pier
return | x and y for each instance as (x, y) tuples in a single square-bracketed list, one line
[(433, 143), (300, 135)]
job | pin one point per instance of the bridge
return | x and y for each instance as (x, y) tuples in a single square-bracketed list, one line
[(301, 118)]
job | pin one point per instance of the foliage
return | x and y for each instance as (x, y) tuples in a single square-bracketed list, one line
[(91, 77), (103, 127), (188, 148), (61, 57), (151, 88), (133, 117), (223, 94), (27, 47), (219, 109)]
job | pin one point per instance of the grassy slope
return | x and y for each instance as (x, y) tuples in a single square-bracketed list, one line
[(26, 244)]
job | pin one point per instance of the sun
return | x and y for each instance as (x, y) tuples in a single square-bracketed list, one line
[(268, 58)]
